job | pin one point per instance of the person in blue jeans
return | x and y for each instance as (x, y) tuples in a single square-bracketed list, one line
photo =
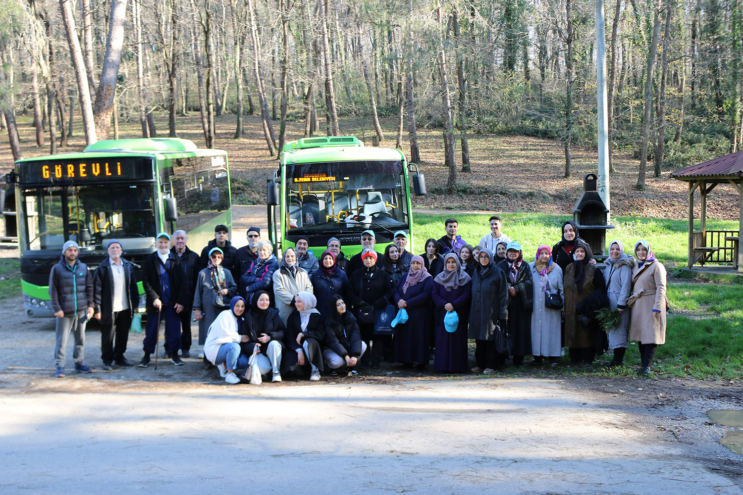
[(222, 346), (166, 289)]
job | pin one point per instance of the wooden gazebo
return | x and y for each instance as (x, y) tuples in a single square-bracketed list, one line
[(714, 246)]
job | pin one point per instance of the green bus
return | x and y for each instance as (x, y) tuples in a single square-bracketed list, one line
[(127, 189), (335, 187)]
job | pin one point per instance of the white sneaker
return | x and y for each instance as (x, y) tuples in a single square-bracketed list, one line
[(231, 378), (222, 370), (315, 376), (201, 355), (476, 370), (276, 377)]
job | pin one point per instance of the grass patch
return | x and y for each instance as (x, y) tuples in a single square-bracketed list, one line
[(668, 238), (10, 277)]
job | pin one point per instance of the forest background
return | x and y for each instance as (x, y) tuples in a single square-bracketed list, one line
[(505, 89)]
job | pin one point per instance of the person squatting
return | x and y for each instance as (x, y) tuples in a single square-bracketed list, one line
[(313, 316)]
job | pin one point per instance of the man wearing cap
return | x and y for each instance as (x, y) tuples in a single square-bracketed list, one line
[(229, 262), (334, 246), (490, 241), (451, 242), (116, 299), (401, 241), (246, 255), (368, 240), (71, 297), (305, 258), (520, 301), (190, 263), (167, 295)]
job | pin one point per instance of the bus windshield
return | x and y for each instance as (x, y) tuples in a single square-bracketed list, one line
[(327, 197), (89, 215)]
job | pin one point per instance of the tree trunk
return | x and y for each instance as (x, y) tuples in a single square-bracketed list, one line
[(400, 112), (136, 13), (116, 119), (648, 99), (267, 126), (660, 147), (104, 96), (694, 54), (569, 95), (309, 96), (329, 89), (51, 98), (71, 118), (38, 124), (83, 88), (62, 116), (449, 160), (210, 75), (172, 68), (415, 156), (88, 44), (372, 100), (285, 6), (462, 104), (9, 113), (735, 52), (200, 76), (613, 78), (237, 67)]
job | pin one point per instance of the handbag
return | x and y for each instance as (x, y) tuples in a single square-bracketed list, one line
[(253, 373), (383, 323), (501, 340), (553, 301), (365, 315), (136, 325)]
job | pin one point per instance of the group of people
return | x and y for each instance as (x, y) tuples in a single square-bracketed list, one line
[(310, 315)]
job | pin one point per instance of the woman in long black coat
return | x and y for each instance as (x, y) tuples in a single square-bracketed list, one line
[(452, 291), (488, 313), (562, 252), (305, 334), (520, 301), (370, 291), (413, 339), (326, 281)]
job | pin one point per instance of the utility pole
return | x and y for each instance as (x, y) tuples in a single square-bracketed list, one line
[(603, 120)]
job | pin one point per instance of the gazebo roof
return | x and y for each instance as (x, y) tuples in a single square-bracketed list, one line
[(724, 166)]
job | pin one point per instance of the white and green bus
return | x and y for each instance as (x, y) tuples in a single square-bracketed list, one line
[(336, 187), (128, 189)]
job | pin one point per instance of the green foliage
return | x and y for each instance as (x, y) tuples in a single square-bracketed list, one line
[(609, 318), (10, 275), (245, 191)]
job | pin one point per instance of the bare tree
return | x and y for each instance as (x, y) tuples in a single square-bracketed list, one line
[(267, 126), (660, 146), (648, 98), (329, 89), (104, 96), (370, 87)]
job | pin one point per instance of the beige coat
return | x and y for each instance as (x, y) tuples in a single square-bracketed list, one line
[(648, 294), (285, 287)]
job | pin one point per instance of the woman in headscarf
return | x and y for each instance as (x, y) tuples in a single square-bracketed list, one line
[(580, 280), (260, 274), (452, 291), (305, 335), (618, 278), (370, 292), (649, 304), (343, 344), (263, 328), (546, 322), (432, 258), (327, 280), (288, 281), (520, 301), (466, 259), (222, 346), (500, 252), (488, 313), (392, 264), (214, 290), (413, 339)]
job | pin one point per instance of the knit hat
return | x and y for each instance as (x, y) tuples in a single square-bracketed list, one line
[(68, 245), (333, 239), (221, 228), (115, 241), (367, 253), (254, 229)]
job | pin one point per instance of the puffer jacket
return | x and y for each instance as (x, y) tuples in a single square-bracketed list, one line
[(71, 288)]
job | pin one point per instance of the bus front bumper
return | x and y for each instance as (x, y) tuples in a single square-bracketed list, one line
[(37, 308)]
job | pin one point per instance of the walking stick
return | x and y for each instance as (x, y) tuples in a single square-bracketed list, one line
[(157, 335)]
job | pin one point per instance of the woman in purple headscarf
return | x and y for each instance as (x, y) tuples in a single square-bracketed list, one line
[(413, 339)]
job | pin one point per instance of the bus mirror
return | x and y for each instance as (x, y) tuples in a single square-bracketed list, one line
[(171, 209), (419, 185), (272, 194)]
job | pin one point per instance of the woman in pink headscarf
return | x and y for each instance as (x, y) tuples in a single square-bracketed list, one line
[(545, 322), (413, 339)]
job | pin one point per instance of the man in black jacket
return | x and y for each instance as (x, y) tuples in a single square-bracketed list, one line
[(167, 295), (190, 263), (116, 298), (246, 255), (229, 261)]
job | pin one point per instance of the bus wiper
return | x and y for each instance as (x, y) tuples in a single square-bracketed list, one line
[(39, 267), (380, 226)]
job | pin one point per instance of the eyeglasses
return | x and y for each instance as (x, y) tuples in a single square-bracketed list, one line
[(253, 236)]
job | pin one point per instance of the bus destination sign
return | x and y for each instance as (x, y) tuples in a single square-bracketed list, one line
[(315, 178), (92, 170)]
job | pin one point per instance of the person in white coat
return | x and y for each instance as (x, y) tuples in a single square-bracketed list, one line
[(288, 281), (546, 338), (222, 346)]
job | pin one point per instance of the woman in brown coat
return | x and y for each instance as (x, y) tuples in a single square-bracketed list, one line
[(649, 304), (581, 279)]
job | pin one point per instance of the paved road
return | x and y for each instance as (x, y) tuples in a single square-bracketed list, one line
[(481, 436)]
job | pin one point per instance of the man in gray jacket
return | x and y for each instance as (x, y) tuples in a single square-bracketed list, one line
[(71, 294)]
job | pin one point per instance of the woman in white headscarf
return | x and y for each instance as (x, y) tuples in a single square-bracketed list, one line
[(304, 336), (618, 277)]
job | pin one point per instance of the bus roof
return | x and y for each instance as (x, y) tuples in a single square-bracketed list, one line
[(340, 154), (158, 147)]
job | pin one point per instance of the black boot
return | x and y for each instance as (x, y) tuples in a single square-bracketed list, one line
[(618, 359)]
